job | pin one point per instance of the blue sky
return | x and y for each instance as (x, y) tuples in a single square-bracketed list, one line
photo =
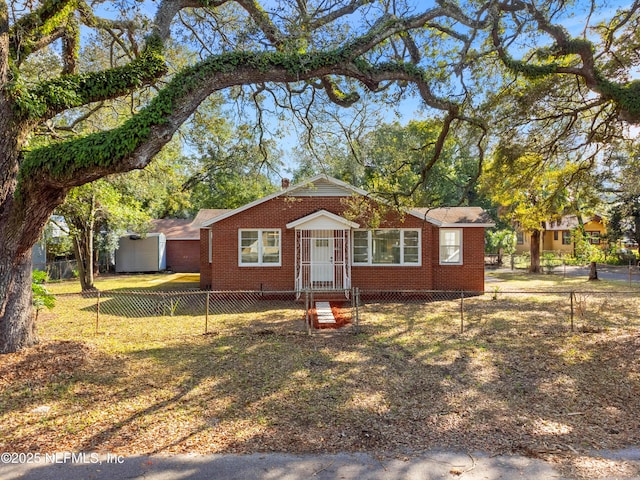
[(410, 107)]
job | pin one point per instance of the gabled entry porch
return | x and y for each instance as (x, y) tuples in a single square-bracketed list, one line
[(323, 252)]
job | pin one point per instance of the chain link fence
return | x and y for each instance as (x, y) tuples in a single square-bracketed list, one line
[(627, 270), (518, 312), (174, 314)]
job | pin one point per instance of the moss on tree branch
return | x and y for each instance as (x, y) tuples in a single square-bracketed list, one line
[(26, 33), (69, 91), (626, 96), (105, 150)]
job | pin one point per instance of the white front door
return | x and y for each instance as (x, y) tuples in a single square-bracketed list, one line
[(322, 270)]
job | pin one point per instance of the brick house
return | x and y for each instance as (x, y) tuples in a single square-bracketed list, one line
[(183, 240), (315, 235)]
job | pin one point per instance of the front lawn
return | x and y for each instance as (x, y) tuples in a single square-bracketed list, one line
[(132, 282), (406, 383)]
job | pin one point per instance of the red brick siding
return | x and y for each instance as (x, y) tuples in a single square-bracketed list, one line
[(183, 256), (468, 276), (205, 267), (400, 278), (224, 273)]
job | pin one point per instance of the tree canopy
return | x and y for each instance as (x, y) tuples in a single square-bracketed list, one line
[(459, 60)]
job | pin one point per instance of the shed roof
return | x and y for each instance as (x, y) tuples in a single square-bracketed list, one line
[(185, 229), (456, 216)]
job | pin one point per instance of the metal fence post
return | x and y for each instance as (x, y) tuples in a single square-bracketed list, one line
[(571, 295), (311, 306), (206, 315), (461, 311), (97, 312), (307, 317), (356, 296)]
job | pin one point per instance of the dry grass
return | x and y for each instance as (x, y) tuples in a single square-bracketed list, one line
[(150, 281), (517, 380)]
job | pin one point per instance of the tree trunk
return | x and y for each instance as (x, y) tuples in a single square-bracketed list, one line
[(17, 326), (593, 271), (23, 216), (83, 251), (16, 232), (534, 267)]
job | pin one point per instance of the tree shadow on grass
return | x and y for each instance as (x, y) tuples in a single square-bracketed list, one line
[(44, 385), (375, 391)]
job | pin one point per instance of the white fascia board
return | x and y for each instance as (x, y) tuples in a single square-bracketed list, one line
[(425, 217), (466, 225), (332, 217)]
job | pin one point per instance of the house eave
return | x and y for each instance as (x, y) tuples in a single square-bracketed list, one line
[(294, 188), (467, 225), (337, 219)]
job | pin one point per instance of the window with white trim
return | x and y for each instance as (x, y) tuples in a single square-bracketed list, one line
[(386, 247), (593, 237), (259, 247), (450, 246)]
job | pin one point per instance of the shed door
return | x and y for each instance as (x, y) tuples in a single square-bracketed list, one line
[(322, 262)]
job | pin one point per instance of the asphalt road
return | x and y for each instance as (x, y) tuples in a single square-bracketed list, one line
[(605, 272), (432, 465)]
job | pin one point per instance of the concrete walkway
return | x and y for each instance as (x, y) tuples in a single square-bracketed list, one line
[(432, 465)]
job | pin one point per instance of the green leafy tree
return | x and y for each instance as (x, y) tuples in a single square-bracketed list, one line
[(42, 298), (500, 242), (400, 164), (232, 168), (529, 191), (93, 207), (624, 192), (625, 220)]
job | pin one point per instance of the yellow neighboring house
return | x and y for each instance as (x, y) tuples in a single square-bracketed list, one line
[(556, 236)]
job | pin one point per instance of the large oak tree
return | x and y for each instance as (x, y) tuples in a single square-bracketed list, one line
[(282, 50)]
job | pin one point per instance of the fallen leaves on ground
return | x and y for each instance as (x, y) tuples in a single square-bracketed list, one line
[(400, 388)]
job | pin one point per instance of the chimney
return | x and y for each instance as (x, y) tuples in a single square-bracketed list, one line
[(285, 183)]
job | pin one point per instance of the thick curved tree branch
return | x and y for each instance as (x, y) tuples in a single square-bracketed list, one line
[(52, 97), (27, 33), (137, 140), (262, 20), (624, 95), (168, 9), (334, 15), (336, 95)]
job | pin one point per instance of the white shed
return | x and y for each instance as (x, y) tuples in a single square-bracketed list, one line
[(141, 254)]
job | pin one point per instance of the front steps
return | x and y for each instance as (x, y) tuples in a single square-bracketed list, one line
[(324, 313)]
